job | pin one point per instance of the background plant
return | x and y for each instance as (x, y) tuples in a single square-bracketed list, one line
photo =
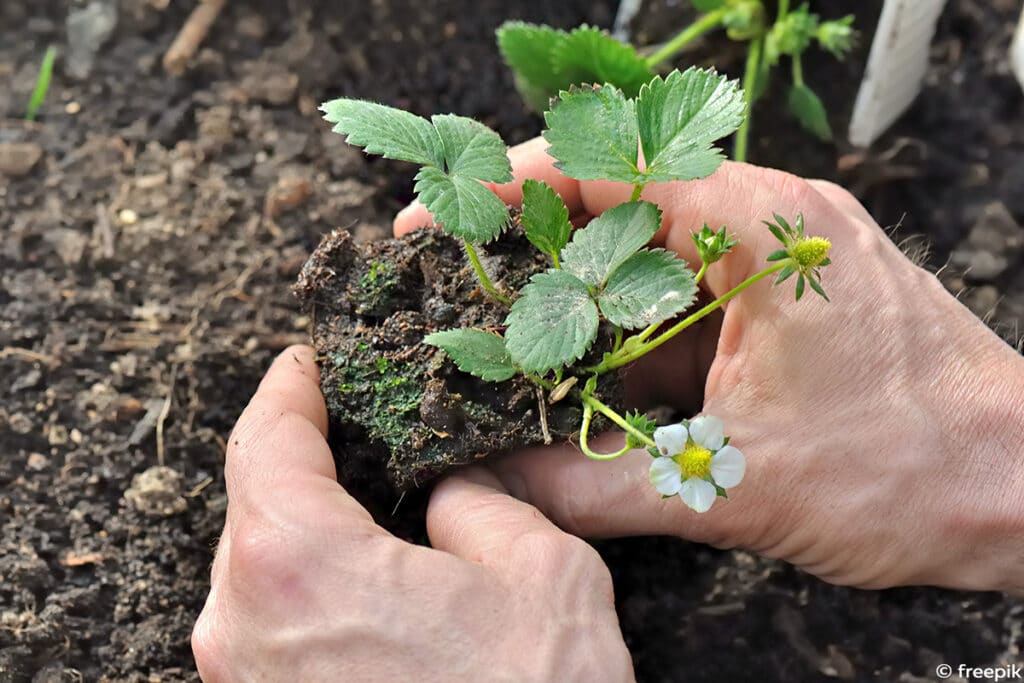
[(546, 61), (602, 275)]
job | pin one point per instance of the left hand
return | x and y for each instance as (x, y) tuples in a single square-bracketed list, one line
[(305, 587)]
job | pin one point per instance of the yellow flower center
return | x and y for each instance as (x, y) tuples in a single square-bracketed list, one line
[(810, 252), (694, 461)]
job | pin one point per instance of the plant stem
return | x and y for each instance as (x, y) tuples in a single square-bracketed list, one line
[(783, 10), (700, 274), (555, 261), (750, 74), (588, 414), (481, 274), (798, 71), (618, 360), (594, 404), (648, 332), (685, 37), (637, 189), (42, 84)]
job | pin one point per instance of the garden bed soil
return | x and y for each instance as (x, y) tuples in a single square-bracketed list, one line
[(152, 230)]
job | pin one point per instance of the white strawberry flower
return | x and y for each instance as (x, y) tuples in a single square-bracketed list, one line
[(694, 461)]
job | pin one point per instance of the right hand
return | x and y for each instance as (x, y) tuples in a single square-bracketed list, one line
[(882, 431)]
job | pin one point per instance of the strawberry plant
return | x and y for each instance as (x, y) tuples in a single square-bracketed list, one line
[(602, 276), (546, 61)]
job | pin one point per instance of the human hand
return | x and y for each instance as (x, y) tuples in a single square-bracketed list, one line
[(882, 431), (305, 587)]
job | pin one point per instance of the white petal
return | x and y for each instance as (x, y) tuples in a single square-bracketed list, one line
[(666, 477), (707, 431), (698, 494), (670, 439), (728, 467)]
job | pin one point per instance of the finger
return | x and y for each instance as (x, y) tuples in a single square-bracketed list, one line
[(281, 436), (604, 499), (843, 199), (529, 160), (472, 516)]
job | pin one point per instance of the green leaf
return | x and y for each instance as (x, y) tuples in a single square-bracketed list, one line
[(651, 286), (800, 281), (679, 119), (529, 50), (589, 55), (552, 324), (708, 5), (597, 250), (479, 353), (816, 286), (593, 134), (461, 205), (545, 218), (810, 112), (472, 149), (390, 132)]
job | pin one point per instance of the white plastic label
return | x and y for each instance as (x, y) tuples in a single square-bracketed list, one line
[(1017, 51), (896, 66)]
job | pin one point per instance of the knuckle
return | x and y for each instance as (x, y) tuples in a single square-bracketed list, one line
[(791, 189), (208, 649), (260, 558)]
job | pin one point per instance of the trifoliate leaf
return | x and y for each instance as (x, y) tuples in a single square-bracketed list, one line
[(461, 205), (479, 353), (528, 50), (545, 218), (597, 250), (552, 324), (593, 134), (809, 111), (472, 149), (642, 424), (390, 132), (679, 119), (650, 287), (589, 55)]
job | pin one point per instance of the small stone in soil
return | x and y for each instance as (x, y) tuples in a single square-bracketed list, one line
[(18, 158), (157, 491)]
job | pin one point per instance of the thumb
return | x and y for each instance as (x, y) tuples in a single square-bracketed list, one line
[(471, 515), (605, 499)]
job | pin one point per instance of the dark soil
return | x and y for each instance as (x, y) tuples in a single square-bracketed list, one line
[(152, 229)]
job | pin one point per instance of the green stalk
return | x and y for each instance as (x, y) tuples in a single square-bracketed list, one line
[(637, 189), (481, 274), (594, 404), (588, 414), (783, 10), (700, 273), (42, 84), (798, 71), (686, 36), (618, 360), (750, 74)]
